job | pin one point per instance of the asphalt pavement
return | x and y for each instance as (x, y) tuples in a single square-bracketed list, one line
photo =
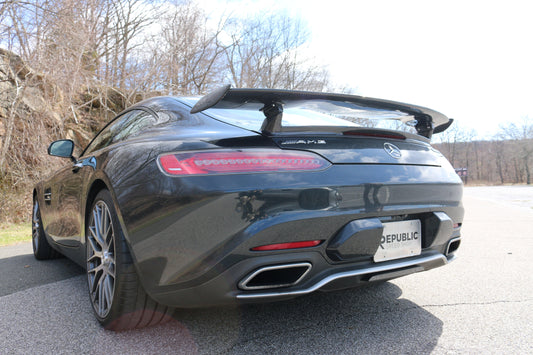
[(480, 303)]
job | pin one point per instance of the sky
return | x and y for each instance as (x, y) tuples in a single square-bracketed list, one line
[(471, 60)]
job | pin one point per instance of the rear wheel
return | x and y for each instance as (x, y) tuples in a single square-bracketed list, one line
[(41, 249), (117, 297)]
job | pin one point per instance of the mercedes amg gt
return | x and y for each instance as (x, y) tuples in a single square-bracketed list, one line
[(248, 195)]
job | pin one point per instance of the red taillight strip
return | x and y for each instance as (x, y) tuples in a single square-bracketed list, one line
[(240, 161), (291, 245)]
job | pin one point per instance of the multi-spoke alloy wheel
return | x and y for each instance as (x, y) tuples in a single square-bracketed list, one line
[(117, 296), (101, 259)]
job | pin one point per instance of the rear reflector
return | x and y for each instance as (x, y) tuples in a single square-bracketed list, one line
[(292, 245), (240, 161)]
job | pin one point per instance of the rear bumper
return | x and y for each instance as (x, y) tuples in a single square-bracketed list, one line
[(315, 271), (191, 238), (370, 273), (222, 290)]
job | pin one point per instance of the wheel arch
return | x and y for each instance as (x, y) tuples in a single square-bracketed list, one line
[(37, 189), (96, 186)]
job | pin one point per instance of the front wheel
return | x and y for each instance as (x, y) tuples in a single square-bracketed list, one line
[(41, 249), (117, 297)]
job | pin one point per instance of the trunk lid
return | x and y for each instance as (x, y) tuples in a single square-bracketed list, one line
[(363, 149), (345, 129)]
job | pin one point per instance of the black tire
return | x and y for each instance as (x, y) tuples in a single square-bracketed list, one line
[(41, 248), (119, 302)]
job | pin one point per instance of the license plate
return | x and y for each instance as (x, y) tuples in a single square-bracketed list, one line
[(400, 240)]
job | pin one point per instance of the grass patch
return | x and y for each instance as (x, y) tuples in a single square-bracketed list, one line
[(14, 233)]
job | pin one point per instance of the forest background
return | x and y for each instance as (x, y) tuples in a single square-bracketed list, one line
[(69, 66)]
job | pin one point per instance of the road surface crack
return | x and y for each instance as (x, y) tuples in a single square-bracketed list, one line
[(475, 303)]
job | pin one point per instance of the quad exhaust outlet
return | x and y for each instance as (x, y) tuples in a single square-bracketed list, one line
[(275, 276), (453, 245)]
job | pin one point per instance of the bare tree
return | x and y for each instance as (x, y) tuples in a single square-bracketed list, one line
[(128, 19), (188, 51), (499, 159), (267, 51), (448, 140), (521, 134)]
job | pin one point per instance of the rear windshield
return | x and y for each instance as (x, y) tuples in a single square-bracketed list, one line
[(311, 113)]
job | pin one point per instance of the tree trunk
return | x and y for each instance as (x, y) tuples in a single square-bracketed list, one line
[(528, 174)]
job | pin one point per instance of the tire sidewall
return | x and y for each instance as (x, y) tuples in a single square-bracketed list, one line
[(36, 215), (43, 250), (118, 237)]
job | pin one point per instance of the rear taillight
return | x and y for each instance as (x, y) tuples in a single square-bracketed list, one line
[(240, 161)]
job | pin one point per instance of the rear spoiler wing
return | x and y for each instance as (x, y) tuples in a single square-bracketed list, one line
[(428, 121)]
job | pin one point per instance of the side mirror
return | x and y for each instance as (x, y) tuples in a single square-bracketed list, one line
[(62, 148)]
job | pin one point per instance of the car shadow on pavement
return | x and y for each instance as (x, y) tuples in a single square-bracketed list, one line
[(21, 272), (40, 300), (371, 319)]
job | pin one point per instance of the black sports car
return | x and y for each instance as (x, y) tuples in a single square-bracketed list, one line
[(248, 195)]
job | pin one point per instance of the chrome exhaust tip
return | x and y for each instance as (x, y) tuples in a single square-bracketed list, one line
[(275, 276), (453, 245)]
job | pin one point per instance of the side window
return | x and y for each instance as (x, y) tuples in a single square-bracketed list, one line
[(127, 125), (103, 139), (134, 124)]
